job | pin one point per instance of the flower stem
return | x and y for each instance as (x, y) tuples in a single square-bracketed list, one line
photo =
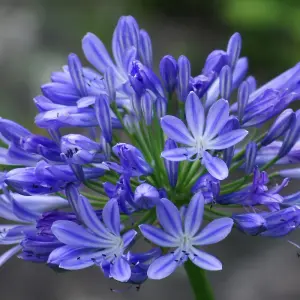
[(198, 281)]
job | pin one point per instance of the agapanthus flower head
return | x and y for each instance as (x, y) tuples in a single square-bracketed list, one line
[(152, 154)]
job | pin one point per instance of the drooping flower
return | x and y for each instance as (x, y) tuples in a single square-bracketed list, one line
[(203, 135), (181, 233), (256, 193)]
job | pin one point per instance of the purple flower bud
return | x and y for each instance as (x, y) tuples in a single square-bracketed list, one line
[(12, 131), (168, 72), (234, 48), (243, 96), (283, 123), (102, 111), (171, 166), (266, 105), (252, 84), (228, 155), (250, 223), (161, 107), (109, 82), (66, 117), (184, 75), (147, 107), (202, 83), (209, 186), (282, 222), (145, 49), (41, 145), (215, 61), (143, 78), (78, 149), (25, 182), (132, 160), (250, 156), (75, 69), (61, 93), (146, 196), (126, 35), (291, 136), (225, 82), (37, 247)]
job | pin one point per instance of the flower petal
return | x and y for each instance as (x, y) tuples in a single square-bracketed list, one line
[(195, 116), (89, 217), (194, 214), (128, 237), (75, 235), (96, 53), (205, 260), (158, 236), (214, 232), (111, 216), (40, 203), (162, 267), (176, 130), (169, 217), (120, 270), (75, 69), (67, 253), (215, 166), (217, 117), (22, 213), (9, 254), (228, 139), (179, 154), (75, 264)]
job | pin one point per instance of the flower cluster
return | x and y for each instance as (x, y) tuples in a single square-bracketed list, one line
[(84, 199)]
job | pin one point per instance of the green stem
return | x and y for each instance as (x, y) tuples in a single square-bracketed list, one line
[(198, 281)]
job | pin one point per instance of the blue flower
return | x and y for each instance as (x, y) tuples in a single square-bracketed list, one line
[(122, 192), (209, 187), (133, 163), (23, 211), (204, 135), (146, 196), (282, 222), (100, 242), (46, 178), (256, 193), (265, 154), (78, 149), (250, 223), (181, 233)]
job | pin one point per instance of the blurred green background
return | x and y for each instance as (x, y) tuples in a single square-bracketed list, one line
[(35, 39)]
